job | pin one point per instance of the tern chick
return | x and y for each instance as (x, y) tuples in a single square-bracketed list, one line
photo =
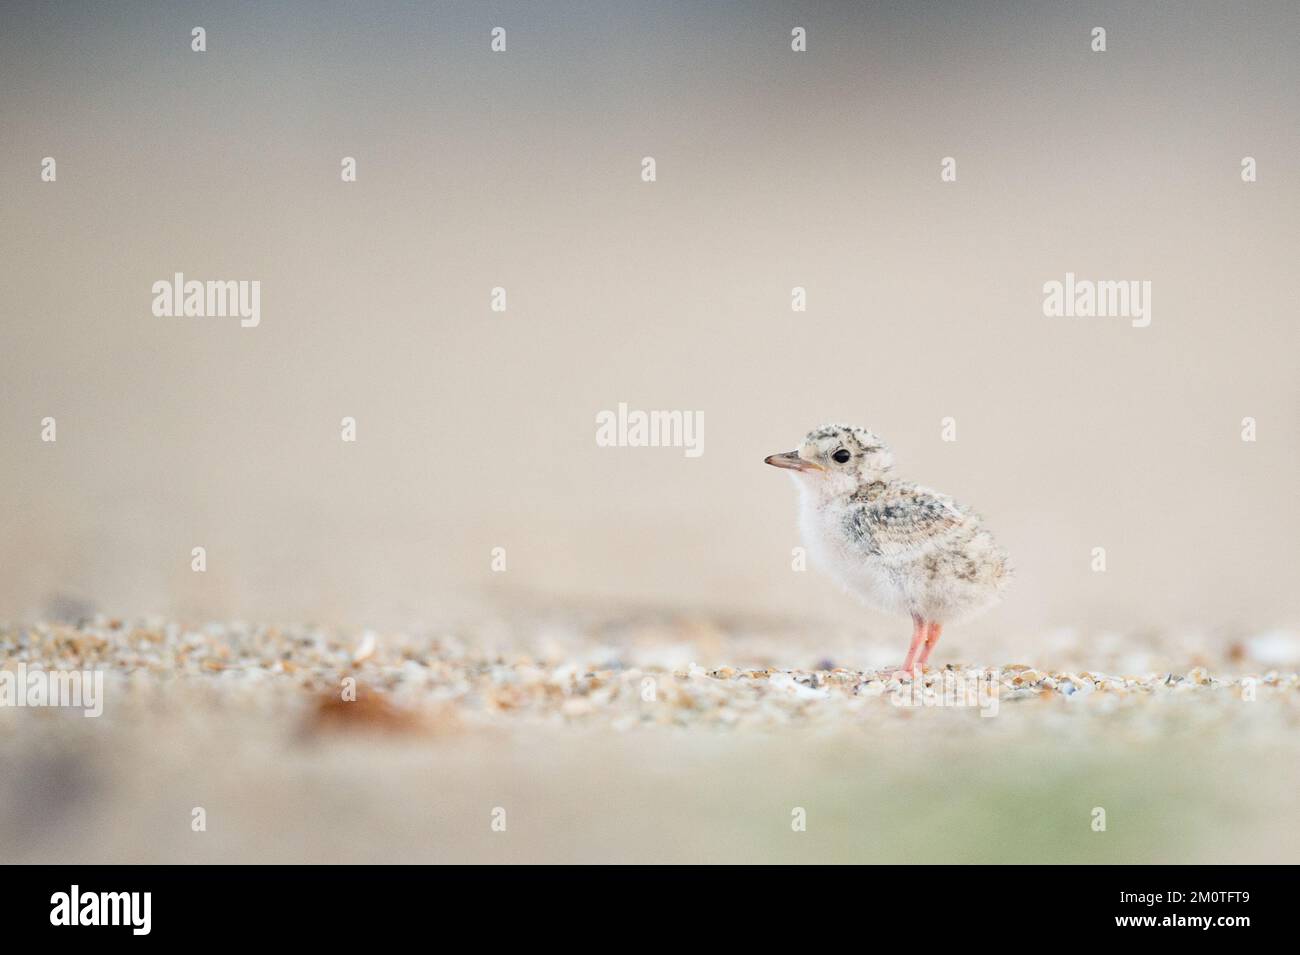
[(899, 547)]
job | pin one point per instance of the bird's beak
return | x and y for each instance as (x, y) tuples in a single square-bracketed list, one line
[(792, 461)]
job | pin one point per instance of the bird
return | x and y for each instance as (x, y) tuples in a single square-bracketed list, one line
[(899, 547)]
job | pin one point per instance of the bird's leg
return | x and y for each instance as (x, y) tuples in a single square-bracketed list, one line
[(918, 637), (932, 637)]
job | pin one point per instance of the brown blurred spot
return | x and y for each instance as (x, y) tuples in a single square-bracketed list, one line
[(369, 712)]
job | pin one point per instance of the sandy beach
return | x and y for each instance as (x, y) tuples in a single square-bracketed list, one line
[(646, 737)]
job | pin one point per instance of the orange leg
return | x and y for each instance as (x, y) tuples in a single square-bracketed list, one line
[(932, 637), (918, 638)]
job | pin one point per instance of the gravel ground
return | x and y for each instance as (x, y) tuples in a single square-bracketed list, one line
[(645, 737)]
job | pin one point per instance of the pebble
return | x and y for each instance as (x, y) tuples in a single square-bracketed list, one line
[(366, 648)]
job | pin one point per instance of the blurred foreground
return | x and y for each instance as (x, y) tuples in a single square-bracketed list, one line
[(645, 738)]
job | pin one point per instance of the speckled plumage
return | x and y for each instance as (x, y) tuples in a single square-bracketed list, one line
[(900, 547)]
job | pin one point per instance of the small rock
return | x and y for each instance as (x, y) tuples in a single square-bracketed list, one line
[(366, 648), (786, 682)]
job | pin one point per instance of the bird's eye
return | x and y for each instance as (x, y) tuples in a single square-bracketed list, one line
[(841, 456)]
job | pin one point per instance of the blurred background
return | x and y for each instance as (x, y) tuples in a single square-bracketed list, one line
[(775, 169)]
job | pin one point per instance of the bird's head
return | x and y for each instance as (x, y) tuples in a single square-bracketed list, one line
[(837, 459)]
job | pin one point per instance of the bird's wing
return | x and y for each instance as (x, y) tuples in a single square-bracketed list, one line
[(904, 524)]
